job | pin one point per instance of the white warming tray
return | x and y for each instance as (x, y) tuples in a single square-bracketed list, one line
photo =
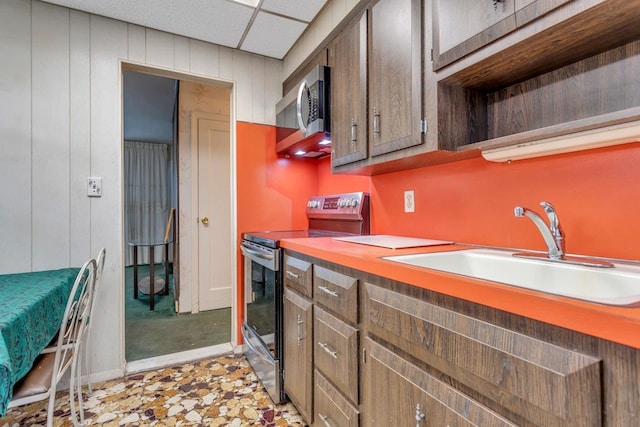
[(392, 242)]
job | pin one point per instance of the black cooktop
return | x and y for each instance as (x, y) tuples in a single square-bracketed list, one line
[(272, 239)]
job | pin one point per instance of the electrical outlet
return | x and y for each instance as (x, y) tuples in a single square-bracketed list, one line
[(409, 201), (94, 186)]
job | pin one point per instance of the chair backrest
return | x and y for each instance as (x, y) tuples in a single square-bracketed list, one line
[(75, 320)]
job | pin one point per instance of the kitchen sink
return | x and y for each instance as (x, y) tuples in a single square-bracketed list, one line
[(619, 286)]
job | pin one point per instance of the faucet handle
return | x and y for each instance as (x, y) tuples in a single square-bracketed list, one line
[(518, 211), (554, 222)]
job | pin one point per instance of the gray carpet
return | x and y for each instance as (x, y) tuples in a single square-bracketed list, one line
[(162, 331)]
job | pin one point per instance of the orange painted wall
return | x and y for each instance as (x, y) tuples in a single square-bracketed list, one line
[(596, 194), (272, 192)]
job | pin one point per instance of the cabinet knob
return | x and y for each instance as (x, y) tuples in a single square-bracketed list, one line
[(205, 220), (419, 415)]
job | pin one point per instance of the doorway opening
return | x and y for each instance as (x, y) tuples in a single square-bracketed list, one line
[(178, 149)]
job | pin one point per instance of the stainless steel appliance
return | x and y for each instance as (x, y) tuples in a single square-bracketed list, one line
[(302, 117), (333, 215)]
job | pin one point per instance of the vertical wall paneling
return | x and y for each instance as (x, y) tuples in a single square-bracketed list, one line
[(258, 88), (325, 22), (159, 48), (61, 122), (15, 135), (50, 135), (137, 39), (79, 135), (204, 59), (226, 63), (243, 77), (181, 55), (272, 92), (108, 45)]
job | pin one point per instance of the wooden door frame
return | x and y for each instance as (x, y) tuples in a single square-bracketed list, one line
[(197, 78)]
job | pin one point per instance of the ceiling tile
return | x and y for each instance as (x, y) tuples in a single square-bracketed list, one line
[(272, 35), (217, 21), (304, 10)]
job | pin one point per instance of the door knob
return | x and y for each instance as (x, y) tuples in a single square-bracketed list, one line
[(205, 220)]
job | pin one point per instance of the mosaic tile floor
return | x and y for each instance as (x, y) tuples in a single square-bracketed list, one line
[(218, 392)]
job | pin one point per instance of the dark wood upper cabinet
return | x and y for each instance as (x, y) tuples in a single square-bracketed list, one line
[(463, 26), (395, 75), (348, 62)]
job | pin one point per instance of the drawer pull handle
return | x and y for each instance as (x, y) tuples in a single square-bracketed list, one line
[(327, 349), (328, 291), (293, 275), (324, 419)]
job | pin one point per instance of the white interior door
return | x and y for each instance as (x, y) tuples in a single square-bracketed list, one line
[(214, 214)]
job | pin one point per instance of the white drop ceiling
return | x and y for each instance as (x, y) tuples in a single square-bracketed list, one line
[(265, 27)]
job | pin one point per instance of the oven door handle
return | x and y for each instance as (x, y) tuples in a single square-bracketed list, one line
[(254, 253), (258, 352)]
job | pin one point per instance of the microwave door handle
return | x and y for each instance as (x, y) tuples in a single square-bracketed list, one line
[(301, 123)]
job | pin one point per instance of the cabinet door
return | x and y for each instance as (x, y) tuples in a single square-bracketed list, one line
[(530, 10), (463, 26), (398, 393), (298, 352), (395, 77), (348, 62)]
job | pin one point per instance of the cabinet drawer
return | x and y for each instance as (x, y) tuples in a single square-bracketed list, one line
[(337, 292), (331, 408), (546, 384), (298, 275), (410, 396), (336, 352)]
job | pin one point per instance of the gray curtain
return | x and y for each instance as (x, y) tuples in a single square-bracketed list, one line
[(147, 196)]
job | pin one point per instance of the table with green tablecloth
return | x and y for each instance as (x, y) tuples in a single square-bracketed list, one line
[(31, 309)]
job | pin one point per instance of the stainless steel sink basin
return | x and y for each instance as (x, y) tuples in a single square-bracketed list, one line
[(619, 286)]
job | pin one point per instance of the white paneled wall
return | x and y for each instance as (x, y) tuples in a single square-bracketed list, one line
[(325, 22), (61, 121)]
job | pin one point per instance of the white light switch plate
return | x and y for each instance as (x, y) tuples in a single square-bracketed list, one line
[(94, 186)]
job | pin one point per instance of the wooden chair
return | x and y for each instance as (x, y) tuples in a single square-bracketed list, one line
[(47, 371)]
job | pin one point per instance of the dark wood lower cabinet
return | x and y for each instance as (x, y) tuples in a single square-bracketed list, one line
[(330, 406), (418, 358), (401, 394), (298, 352)]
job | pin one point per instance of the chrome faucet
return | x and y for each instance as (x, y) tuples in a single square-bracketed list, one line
[(552, 235)]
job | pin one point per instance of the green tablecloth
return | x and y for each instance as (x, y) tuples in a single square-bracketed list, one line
[(31, 309)]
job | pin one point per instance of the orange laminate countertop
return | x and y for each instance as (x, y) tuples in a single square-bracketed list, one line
[(617, 324)]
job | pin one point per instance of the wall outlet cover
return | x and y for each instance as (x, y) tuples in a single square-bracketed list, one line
[(409, 201)]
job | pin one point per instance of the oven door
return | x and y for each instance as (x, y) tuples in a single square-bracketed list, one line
[(262, 327)]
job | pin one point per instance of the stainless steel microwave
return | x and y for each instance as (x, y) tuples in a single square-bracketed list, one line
[(302, 117)]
